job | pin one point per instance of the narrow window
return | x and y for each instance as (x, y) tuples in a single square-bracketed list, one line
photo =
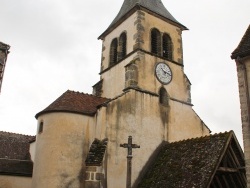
[(40, 128), (122, 46), (155, 42), (113, 53), (167, 46), (163, 97)]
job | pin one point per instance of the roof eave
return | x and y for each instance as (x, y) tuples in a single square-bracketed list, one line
[(129, 13), (240, 54), (66, 111)]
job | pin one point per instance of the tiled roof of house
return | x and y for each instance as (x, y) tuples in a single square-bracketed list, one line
[(14, 154), (155, 6), (75, 102), (188, 163), (243, 48), (96, 152)]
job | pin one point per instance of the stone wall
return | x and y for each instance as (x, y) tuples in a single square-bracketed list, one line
[(243, 71)]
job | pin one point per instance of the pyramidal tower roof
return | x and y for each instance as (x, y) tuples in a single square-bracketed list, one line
[(153, 6)]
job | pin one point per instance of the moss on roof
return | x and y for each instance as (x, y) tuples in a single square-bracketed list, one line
[(188, 163)]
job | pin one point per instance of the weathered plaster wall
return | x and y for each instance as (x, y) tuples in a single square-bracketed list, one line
[(32, 150), (147, 80), (141, 116), (61, 150), (14, 182), (184, 123), (114, 79)]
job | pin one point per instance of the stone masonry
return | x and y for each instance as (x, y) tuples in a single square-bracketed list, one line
[(244, 105)]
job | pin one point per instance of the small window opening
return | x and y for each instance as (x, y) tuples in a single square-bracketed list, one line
[(40, 128), (163, 97)]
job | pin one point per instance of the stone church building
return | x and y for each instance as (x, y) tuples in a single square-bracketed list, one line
[(144, 95)]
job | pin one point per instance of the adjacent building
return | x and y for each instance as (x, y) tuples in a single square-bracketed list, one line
[(241, 55), (4, 51)]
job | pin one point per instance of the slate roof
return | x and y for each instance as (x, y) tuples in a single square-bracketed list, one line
[(243, 48), (188, 163), (75, 102), (14, 156), (155, 6), (4, 46), (96, 152)]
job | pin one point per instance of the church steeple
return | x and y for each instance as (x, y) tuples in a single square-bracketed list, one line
[(130, 6), (142, 35)]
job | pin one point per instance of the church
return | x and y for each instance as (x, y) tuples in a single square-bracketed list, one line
[(137, 128)]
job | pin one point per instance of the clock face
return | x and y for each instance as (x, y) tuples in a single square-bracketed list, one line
[(163, 73)]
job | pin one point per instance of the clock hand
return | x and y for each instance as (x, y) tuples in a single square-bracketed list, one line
[(163, 70), (166, 72)]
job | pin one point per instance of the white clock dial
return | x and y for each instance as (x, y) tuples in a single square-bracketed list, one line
[(163, 73)]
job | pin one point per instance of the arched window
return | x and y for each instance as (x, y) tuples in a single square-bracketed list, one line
[(155, 42), (166, 46), (163, 97), (122, 46), (113, 52)]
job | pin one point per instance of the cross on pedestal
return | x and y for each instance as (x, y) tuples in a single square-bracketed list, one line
[(130, 146)]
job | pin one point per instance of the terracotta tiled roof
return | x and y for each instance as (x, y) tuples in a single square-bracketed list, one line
[(243, 48), (96, 152), (14, 154), (75, 102), (155, 6), (188, 163)]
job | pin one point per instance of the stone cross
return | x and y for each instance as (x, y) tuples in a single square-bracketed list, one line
[(130, 146)]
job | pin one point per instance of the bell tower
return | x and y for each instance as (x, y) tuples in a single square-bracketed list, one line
[(142, 35), (142, 73)]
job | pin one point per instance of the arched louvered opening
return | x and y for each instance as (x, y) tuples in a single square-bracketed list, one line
[(163, 97), (156, 42), (122, 46), (167, 46), (113, 52)]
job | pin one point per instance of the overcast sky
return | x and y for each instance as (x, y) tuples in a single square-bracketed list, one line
[(54, 48)]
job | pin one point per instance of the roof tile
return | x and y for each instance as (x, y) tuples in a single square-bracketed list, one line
[(155, 6), (75, 102), (243, 48), (96, 152), (14, 156), (187, 163)]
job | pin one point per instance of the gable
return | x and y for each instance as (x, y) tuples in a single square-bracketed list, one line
[(195, 163), (231, 169)]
